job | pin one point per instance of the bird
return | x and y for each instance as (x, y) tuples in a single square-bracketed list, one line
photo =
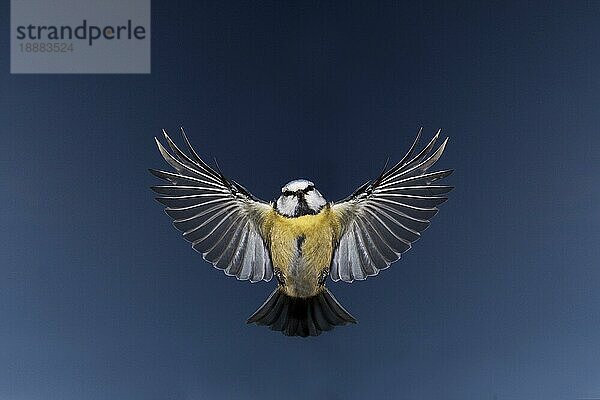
[(301, 239)]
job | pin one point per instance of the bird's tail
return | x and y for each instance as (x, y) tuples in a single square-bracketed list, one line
[(301, 316)]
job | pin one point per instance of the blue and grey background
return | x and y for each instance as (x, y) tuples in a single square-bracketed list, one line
[(100, 298)]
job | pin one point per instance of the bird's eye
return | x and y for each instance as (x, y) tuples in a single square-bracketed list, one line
[(288, 193)]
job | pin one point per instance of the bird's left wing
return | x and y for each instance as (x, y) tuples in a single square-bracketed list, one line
[(381, 219), (218, 216)]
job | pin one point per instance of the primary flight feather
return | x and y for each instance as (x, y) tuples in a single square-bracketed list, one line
[(301, 239)]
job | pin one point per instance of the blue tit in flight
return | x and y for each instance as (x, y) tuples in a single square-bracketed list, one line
[(301, 239)]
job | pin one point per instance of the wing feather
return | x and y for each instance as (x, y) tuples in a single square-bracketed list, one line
[(219, 217), (382, 219)]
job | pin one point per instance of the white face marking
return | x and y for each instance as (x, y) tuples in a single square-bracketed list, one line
[(287, 205), (315, 200), (298, 184), (299, 197)]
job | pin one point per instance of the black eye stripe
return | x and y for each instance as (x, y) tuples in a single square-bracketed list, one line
[(305, 191)]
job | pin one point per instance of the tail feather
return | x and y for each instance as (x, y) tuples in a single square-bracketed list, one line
[(296, 316)]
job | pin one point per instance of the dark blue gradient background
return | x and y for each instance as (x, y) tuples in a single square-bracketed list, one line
[(100, 297)]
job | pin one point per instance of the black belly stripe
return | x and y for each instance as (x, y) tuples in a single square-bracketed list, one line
[(299, 242)]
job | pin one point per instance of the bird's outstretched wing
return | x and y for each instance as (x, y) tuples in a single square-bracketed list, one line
[(218, 216), (382, 218)]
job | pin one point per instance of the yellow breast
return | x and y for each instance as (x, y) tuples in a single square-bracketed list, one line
[(315, 234)]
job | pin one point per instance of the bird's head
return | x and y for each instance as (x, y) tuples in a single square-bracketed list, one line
[(299, 197)]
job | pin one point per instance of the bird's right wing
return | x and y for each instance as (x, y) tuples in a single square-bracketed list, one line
[(381, 219), (218, 216)]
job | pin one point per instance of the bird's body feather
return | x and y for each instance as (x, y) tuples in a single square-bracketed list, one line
[(301, 248)]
